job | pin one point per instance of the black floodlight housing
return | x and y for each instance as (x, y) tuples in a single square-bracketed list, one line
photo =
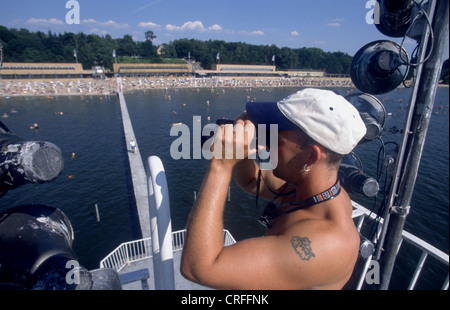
[(378, 67), (23, 162), (354, 180), (36, 253), (393, 17)]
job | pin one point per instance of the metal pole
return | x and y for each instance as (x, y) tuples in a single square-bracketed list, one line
[(97, 213), (426, 92), (402, 154)]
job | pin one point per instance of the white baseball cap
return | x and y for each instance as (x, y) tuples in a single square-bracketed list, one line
[(327, 118)]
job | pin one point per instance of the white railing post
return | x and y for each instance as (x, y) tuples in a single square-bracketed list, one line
[(419, 267), (159, 205), (154, 233), (127, 254)]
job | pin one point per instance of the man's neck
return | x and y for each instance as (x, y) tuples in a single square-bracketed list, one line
[(314, 183)]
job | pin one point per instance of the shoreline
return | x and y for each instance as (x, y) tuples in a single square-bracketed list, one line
[(108, 87)]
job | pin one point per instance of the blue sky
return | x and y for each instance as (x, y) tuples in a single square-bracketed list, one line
[(332, 25)]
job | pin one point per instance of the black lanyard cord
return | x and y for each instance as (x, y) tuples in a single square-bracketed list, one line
[(269, 213)]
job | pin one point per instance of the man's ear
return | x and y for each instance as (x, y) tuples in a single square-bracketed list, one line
[(315, 154)]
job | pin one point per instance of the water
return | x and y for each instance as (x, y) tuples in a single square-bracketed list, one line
[(99, 174)]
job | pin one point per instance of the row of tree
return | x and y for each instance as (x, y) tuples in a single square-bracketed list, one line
[(213, 51), (25, 46), (21, 45)]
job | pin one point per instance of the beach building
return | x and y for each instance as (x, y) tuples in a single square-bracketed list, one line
[(304, 73), (243, 70), (191, 68), (16, 70), (260, 71), (152, 69)]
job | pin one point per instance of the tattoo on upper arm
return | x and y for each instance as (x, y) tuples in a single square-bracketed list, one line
[(302, 246)]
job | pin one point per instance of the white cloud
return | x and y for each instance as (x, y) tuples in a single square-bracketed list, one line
[(89, 21), (108, 24), (198, 26), (294, 33), (44, 22), (334, 24), (215, 27), (98, 31), (257, 33), (252, 33), (149, 25), (113, 24), (193, 26)]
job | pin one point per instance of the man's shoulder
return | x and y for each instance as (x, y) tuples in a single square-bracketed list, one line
[(326, 238), (330, 250), (313, 250), (326, 232)]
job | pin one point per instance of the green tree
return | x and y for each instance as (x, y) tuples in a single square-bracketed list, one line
[(127, 47), (149, 36)]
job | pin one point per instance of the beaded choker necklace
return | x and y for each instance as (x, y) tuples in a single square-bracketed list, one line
[(270, 211)]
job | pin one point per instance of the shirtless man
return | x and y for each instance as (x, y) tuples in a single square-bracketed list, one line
[(311, 242)]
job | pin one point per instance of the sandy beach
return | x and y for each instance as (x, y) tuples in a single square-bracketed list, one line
[(106, 87)]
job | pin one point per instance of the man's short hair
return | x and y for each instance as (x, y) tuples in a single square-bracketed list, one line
[(334, 159)]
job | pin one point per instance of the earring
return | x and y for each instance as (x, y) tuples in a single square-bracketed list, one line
[(306, 168)]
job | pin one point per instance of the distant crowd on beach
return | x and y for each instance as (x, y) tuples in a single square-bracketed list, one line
[(57, 87), (107, 87)]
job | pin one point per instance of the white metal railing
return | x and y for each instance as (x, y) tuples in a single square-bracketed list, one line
[(136, 250), (129, 252), (360, 214)]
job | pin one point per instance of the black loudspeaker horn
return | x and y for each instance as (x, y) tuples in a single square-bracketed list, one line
[(379, 67), (36, 253), (394, 17), (354, 180), (23, 162), (35, 244)]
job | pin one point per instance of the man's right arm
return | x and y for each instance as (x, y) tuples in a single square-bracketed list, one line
[(245, 174)]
